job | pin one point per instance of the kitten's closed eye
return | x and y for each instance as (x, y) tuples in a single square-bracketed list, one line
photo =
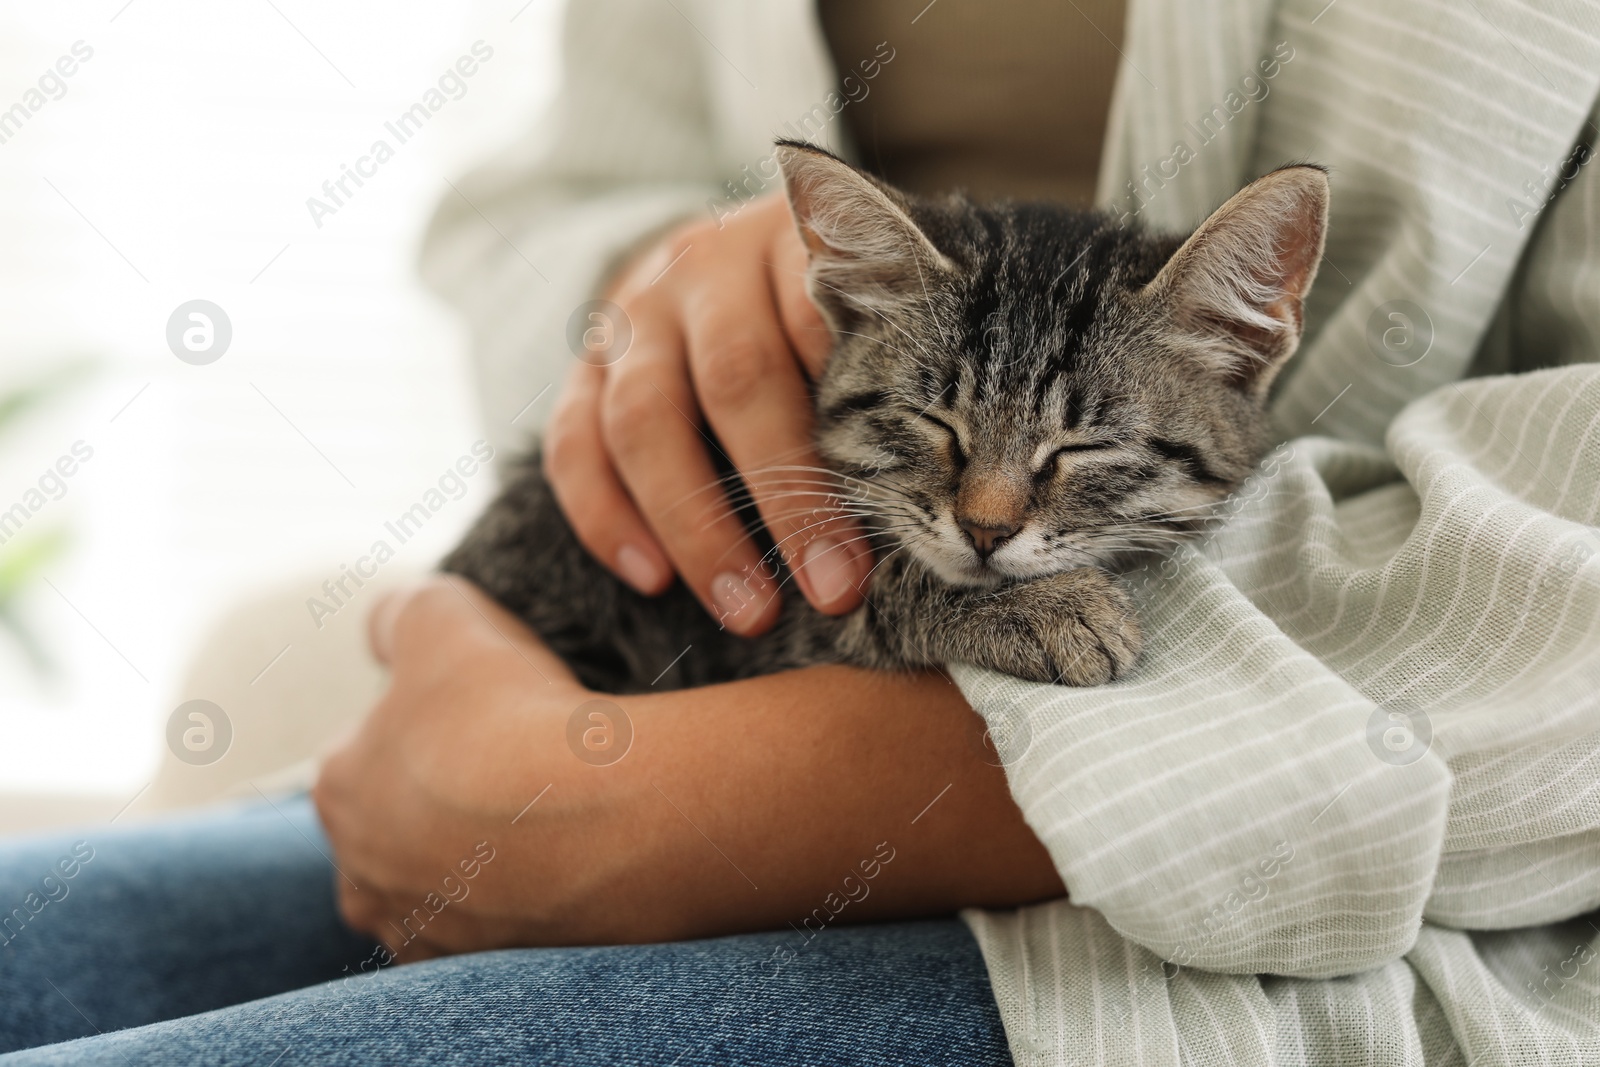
[(1045, 460), (958, 455), (1047, 469)]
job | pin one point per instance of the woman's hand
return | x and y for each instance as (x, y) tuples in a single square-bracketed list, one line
[(463, 816), (724, 342)]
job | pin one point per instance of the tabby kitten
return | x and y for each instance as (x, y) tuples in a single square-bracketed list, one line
[(1021, 397)]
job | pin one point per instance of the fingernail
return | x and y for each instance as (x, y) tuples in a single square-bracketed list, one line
[(637, 570), (737, 599), (830, 570)]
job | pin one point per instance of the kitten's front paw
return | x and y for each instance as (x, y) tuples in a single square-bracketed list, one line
[(1083, 629)]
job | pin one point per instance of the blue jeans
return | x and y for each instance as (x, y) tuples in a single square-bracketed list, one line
[(214, 939)]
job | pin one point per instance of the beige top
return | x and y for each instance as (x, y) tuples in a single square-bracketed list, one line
[(999, 97)]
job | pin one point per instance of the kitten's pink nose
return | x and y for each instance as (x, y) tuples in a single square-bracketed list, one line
[(985, 539)]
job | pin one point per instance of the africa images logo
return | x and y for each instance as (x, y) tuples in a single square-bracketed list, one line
[(336, 192)]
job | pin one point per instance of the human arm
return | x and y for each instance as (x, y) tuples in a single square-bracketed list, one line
[(737, 807)]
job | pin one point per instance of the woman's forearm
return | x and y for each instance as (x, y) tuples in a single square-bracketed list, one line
[(820, 796), (789, 789)]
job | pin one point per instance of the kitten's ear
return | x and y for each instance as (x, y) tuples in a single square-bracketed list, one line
[(1238, 285), (865, 251)]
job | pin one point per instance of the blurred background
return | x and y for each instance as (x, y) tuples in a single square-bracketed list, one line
[(174, 164)]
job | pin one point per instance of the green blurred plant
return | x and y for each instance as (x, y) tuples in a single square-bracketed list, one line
[(25, 557)]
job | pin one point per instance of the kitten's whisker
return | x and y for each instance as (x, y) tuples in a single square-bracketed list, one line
[(790, 577), (787, 453), (835, 507), (869, 337), (830, 500), (778, 545), (1192, 508), (872, 518), (816, 485), (851, 479), (721, 482), (746, 498), (825, 471), (776, 550), (885, 559)]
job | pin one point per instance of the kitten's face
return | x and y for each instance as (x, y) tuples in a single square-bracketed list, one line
[(1023, 389)]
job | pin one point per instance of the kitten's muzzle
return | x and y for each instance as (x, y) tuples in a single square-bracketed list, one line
[(991, 505), (986, 539)]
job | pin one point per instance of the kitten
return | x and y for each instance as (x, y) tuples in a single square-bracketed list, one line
[(1021, 397)]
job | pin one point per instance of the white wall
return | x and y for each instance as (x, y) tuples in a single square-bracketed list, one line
[(190, 142)]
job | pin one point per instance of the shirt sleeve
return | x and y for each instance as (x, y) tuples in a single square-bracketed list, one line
[(1371, 694), (626, 150), (1369, 697)]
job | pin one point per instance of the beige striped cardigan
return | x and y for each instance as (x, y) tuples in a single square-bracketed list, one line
[(1348, 809)]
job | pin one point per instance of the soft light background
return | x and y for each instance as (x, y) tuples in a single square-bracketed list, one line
[(177, 167)]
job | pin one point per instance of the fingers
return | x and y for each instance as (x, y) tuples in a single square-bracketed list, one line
[(591, 493), (802, 322), (726, 342), (424, 927), (651, 425), (404, 933), (362, 910), (758, 401)]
